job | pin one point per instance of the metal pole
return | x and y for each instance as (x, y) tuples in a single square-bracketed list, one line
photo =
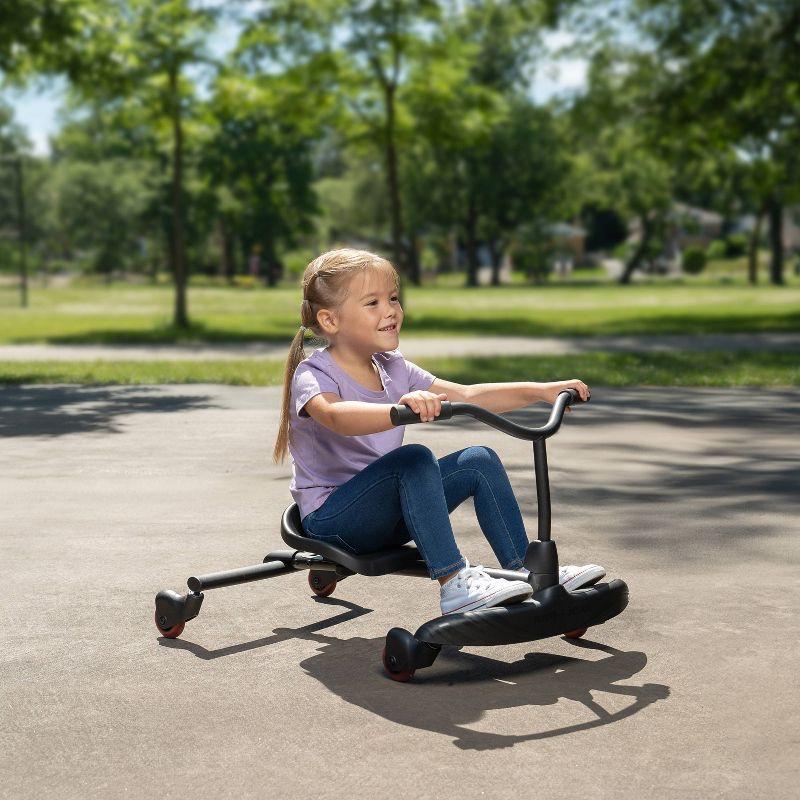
[(542, 489)]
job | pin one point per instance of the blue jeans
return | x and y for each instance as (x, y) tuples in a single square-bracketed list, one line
[(408, 494)]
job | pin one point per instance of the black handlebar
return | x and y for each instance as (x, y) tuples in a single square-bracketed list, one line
[(402, 414)]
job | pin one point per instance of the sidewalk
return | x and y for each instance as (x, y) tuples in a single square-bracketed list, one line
[(411, 347)]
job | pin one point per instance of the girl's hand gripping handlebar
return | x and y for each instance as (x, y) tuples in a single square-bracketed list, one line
[(403, 415)]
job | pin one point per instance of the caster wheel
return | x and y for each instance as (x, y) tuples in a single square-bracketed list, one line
[(170, 633), (402, 677), (576, 634), (320, 589)]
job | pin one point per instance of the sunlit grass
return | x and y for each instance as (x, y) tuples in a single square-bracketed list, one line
[(775, 369), (143, 313)]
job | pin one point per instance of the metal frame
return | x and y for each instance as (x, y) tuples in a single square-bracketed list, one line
[(549, 612)]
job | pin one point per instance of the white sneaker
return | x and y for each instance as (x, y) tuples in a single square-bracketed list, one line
[(472, 588), (573, 577)]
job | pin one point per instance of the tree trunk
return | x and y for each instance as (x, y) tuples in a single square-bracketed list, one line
[(636, 258), (471, 227), (776, 241), (396, 211), (225, 250), (177, 250), (270, 264), (414, 267), (752, 247), (496, 256), (22, 236), (452, 250)]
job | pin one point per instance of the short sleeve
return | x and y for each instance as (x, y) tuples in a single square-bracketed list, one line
[(307, 382), (418, 378)]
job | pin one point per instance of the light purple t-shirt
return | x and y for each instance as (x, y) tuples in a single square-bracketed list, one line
[(323, 460)]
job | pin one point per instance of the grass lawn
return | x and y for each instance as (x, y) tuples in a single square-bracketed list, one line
[(141, 314), (763, 369)]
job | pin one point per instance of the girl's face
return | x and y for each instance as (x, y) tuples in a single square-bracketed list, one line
[(372, 304)]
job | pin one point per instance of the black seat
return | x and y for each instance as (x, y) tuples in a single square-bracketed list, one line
[(380, 563)]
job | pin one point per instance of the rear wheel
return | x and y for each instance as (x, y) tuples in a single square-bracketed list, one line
[(576, 634), (317, 582)]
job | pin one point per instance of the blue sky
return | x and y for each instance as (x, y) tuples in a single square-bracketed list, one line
[(36, 109)]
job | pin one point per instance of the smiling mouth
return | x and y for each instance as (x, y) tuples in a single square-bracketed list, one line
[(389, 328)]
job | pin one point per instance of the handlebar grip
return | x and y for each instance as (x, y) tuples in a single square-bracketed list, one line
[(401, 414), (575, 396)]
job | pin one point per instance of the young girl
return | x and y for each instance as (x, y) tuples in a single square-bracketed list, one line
[(354, 481)]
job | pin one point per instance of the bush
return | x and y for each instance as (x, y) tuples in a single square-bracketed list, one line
[(717, 250), (296, 261), (735, 245), (694, 260), (533, 252), (622, 251)]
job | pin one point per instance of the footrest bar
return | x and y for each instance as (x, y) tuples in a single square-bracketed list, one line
[(257, 572)]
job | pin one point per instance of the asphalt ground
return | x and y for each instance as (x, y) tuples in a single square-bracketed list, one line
[(112, 493)]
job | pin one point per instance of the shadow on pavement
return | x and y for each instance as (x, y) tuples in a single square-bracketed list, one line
[(702, 491), (750, 409), (61, 410), (461, 688)]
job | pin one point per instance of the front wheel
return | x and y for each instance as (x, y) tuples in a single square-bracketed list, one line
[(390, 665)]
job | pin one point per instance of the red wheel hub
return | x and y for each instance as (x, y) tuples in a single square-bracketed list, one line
[(170, 633), (402, 677), (323, 591)]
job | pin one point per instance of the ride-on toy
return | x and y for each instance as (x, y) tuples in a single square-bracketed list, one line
[(550, 611)]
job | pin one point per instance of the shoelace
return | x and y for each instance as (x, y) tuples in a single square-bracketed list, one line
[(473, 575)]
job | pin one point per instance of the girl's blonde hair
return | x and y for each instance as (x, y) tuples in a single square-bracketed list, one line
[(326, 282)]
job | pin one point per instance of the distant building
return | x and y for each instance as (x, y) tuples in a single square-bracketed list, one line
[(791, 228), (686, 226)]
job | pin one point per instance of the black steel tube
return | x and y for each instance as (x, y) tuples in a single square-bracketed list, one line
[(542, 489), (215, 580), (401, 414)]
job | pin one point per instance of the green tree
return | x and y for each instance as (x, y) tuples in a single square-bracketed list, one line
[(621, 159), (256, 160), (102, 210), (32, 32), (734, 68), (486, 160), (138, 52), (14, 180), (360, 50)]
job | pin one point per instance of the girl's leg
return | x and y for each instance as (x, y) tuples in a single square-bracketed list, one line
[(478, 472), (399, 495)]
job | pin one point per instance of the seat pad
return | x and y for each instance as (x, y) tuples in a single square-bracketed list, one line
[(381, 562)]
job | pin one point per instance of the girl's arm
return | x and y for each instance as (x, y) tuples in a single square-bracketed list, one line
[(500, 397), (349, 417)]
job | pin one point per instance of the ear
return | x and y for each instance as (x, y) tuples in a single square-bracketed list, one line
[(327, 320)]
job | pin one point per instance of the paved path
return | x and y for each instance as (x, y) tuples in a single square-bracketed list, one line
[(412, 347), (112, 493)]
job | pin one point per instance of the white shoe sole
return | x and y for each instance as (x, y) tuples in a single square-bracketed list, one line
[(586, 577), (513, 594)]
